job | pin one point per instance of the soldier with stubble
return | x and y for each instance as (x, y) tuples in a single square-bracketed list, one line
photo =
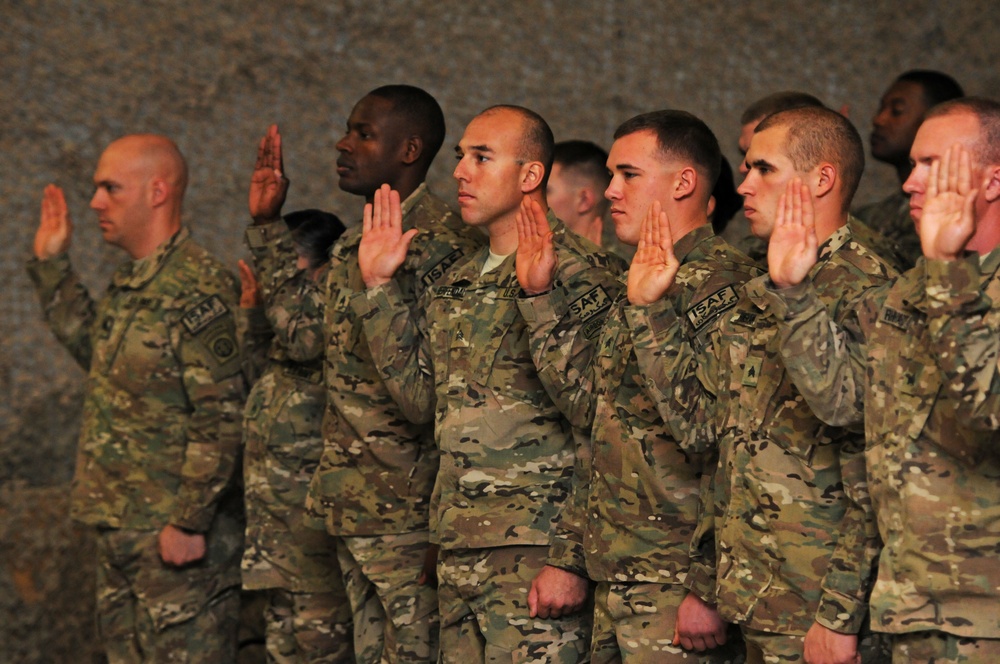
[(161, 418)]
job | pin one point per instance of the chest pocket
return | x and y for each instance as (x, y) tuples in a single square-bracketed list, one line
[(137, 348)]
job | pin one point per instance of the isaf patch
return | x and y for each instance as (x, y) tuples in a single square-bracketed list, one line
[(437, 271), (704, 312), (204, 314), (896, 318), (590, 304)]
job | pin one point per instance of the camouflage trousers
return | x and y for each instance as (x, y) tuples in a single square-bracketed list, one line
[(308, 627), (634, 623), (772, 648), (395, 618), (150, 612), (484, 610), (933, 647)]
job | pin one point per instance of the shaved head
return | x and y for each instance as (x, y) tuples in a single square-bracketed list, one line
[(153, 156)]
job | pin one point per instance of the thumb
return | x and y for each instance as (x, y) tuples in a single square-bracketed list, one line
[(676, 638), (533, 601)]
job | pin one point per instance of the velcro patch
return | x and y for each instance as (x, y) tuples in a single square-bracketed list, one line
[(704, 312), (509, 293), (751, 371), (745, 318), (437, 271), (307, 374), (450, 292), (203, 314), (895, 318), (590, 304)]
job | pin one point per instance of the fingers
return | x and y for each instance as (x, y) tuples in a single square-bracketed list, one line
[(947, 174), (964, 172), (653, 215), (666, 236), (277, 162), (541, 223)]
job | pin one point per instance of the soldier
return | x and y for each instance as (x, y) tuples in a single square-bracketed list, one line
[(916, 362), (307, 615), (372, 488), (894, 126), (161, 418), (793, 528), (628, 527), (507, 453)]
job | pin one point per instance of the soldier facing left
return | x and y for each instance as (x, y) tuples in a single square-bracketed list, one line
[(162, 410)]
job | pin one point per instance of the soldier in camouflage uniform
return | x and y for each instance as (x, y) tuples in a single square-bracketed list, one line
[(307, 615), (916, 362), (373, 485), (507, 452), (629, 526), (791, 553), (161, 419), (894, 126)]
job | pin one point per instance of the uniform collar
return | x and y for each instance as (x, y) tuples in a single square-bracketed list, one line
[(136, 274)]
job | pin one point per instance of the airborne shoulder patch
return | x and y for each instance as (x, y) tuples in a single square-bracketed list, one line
[(895, 318), (200, 316), (590, 304), (704, 312)]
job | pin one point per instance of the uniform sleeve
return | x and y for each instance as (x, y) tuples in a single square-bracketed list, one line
[(679, 378), (399, 349), (702, 566), (964, 326), (67, 306), (213, 383), (843, 604), (293, 302), (826, 361), (255, 334)]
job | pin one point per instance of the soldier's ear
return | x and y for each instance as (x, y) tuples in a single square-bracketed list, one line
[(159, 191), (531, 176), (826, 178), (991, 183), (413, 147), (685, 182), (585, 200)]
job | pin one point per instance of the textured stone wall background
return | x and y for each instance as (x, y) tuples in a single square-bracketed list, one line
[(213, 73)]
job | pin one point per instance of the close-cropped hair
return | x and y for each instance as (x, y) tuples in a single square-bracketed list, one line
[(313, 233), (420, 111), (537, 140), (938, 87), (987, 111), (818, 134), (680, 135), (584, 157), (785, 100)]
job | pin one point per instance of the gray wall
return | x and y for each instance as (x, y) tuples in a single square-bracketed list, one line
[(213, 73)]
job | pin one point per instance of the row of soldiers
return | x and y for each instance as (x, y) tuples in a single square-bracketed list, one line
[(479, 438)]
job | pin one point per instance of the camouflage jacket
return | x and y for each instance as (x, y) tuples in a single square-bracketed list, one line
[(891, 217), (282, 423), (161, 417), (507, 452), (918, 364), (794, 529), (634, 519), (377, 470)]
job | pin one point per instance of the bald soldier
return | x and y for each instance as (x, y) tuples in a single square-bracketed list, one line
[(161, 416)]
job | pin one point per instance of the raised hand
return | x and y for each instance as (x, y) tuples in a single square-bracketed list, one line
[(250, 290), (792, 249), (536, 255), (948, 223), (268, 184), (383, 243), (654, 265), (178, 548), (55, 230)]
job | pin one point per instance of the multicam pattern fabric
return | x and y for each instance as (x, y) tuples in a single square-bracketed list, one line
[(161, 419), (891, 218), (918, 364), (378, 467), (282, 422), (633, 521), (507, 453)]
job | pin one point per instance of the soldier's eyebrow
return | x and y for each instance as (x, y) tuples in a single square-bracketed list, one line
[(760, 164), (626, 167)]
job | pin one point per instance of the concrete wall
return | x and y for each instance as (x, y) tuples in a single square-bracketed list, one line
[(213, 73)]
